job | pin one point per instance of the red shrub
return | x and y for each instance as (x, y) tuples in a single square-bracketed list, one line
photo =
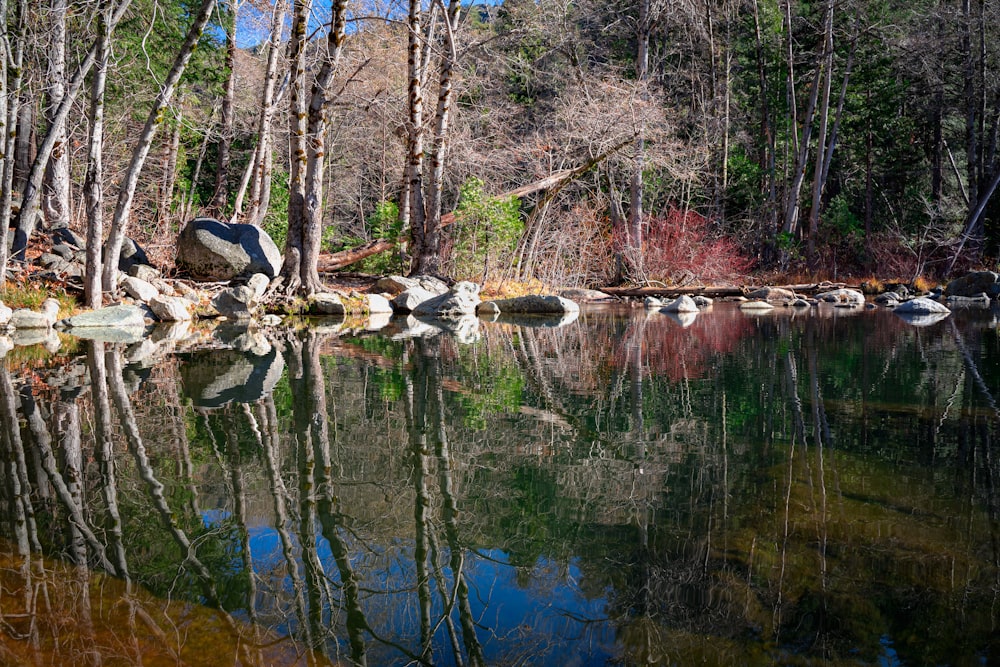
[(681, 246)]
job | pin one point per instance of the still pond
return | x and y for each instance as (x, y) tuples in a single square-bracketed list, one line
[(626, 488)]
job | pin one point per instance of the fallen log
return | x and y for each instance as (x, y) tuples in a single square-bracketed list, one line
[(714, 291), (332, 261)]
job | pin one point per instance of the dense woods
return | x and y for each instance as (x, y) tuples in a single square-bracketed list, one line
[(567, 143)]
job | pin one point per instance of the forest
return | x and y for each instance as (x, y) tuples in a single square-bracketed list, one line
[(542, 141)]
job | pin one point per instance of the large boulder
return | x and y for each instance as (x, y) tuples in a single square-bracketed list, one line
[(461, 300), (921, 306), (211, 250), (408, 300), (537, 304), (112, 316), (682, 304), (777, 294), (23, 318), (171, 308), (975, 283)]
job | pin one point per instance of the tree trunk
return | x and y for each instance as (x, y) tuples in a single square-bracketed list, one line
[(291, 268), (319, 111), (261, 163), (415, 136), (226, 131), (28, 215), (170, 172), (56, 201), (93, 183), (819, 179), (123, 208), (428, 260), (632, 260), (9, 113)]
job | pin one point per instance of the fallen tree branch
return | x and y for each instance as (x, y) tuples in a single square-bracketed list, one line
[(338, 260)]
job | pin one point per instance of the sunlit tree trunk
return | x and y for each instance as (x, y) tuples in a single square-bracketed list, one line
[(93, 186), (298, 120), (12, 53), (126, 194), (30, 199), (633, 263), (56, 199)]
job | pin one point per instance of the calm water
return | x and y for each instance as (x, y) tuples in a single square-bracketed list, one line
[(622, 489)]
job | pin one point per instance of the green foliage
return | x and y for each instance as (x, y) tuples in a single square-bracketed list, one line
[(383, 224), (276, 221), (485, 232)]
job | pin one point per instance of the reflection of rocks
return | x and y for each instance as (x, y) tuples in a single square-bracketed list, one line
[(377, 321), (6, 345), (546, 321), (411, 327), (465, 329), (110, 334), (685, 318), (213, 378), (921, 319), (46, 337), (980, 300)]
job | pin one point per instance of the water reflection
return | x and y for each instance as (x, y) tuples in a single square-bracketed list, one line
[(621, 489)]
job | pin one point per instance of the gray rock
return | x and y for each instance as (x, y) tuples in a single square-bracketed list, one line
[(64, 251), (682, 304), (51, 261), (112, 316), (143, 272), (163, 287), (921, 306), (702, 301), (211, 250), (66, 236), (188, 292), (847, 296), (799, 303), (326, 303), (170, 308), (5, 315), (378, 304), (139, 289), (980, 300), (407, 300), (652, 302), (888, 299), (258, 282), (974, 283), (131, 254), (22, 318), (396, 284), (461, 300), (235, 303), (771, 294), (487, 308), (536, 304), (587, 296)]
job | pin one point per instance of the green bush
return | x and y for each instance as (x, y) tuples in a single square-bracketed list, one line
[(485, 232)]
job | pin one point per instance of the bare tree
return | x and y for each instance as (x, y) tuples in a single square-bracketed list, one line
[(56, 198), (94, 181), (126, 193)]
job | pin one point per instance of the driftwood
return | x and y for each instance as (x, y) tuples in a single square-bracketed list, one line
[(338, 260), (715, 291)]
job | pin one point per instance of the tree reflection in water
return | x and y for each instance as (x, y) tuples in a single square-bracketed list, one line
[(627, 489)]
